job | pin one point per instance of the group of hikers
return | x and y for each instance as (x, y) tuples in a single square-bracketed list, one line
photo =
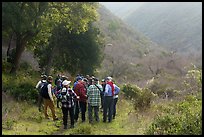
[(86, 91)]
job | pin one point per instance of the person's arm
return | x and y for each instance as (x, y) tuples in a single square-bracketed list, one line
[(37, 86), (117, 89), (49, 86)]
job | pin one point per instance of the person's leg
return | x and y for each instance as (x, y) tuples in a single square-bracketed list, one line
[(71, 113), (65, 116), (96, 110), (76, 114), (52, 108), (90, 113), (83, 110), (45, 108), (114, 107), (110, 109), (105, 107), (40, 101)]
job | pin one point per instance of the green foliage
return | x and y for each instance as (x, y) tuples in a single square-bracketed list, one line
[(21, 85), (193, 81), (113, 26), (83, 130), (76, 53), (8, 124), (184, 118), (141, 97)]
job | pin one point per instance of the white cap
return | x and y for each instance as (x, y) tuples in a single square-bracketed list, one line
[(66, 82)]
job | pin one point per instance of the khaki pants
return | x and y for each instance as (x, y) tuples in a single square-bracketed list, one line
[(50, 104)]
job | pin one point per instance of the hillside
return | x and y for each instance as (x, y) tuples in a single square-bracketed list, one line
[(125, 48), (122, 9), (175, 25)]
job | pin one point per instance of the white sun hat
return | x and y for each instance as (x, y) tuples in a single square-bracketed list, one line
[(66, 82)]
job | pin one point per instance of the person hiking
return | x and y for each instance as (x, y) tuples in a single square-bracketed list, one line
[(67, 99), (115, 99), (93, 94), (80, 90), (57, 78), (46, 93), (76, 105), (56, 91), (108, 100), (38, 87), (103, 84)]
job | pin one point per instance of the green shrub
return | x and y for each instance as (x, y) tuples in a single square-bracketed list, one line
[(8, 124), (141, 97), (83, 130), (25, 91), (184, 118)]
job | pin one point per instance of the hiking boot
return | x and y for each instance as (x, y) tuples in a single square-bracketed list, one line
[(65, 127)]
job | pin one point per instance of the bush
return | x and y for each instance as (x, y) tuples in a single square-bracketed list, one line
[(83, 130), (184, 118), (141, 97), (25, 91)]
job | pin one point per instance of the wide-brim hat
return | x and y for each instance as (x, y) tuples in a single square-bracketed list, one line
[(66, 82)]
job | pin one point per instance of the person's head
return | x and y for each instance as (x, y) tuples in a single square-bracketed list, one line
[(66, 83), (85, 80), (103, 81), (43, 77), (79, 79), (59, 82), (49, 79), (108, 79), (95, 80)]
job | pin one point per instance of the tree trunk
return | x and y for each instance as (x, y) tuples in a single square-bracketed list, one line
[(50, 60), (9, 46), (20, 47)]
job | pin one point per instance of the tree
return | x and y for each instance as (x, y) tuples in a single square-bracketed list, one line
[(76, 53), (33, 21)]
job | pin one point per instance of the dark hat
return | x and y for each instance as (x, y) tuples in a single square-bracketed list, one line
[(96, 79), (79, 78), (85, 79)]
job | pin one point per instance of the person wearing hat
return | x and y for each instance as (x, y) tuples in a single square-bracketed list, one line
[(76, 106), (108, 100), (48, 98), (38, 87), (93, 94), (67, 99), (80, 90)]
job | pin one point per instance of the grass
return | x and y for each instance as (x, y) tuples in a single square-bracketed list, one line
[(28, 121)]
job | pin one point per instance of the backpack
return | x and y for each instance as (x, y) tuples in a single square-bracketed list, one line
[(64, 96), (41, 85), (44, 91)]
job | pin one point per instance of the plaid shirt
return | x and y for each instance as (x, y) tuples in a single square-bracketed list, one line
[(93, 94), (70, 95)]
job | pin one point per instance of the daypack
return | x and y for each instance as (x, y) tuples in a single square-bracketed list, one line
[(44, 91), (41, 85), (66, 97)]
